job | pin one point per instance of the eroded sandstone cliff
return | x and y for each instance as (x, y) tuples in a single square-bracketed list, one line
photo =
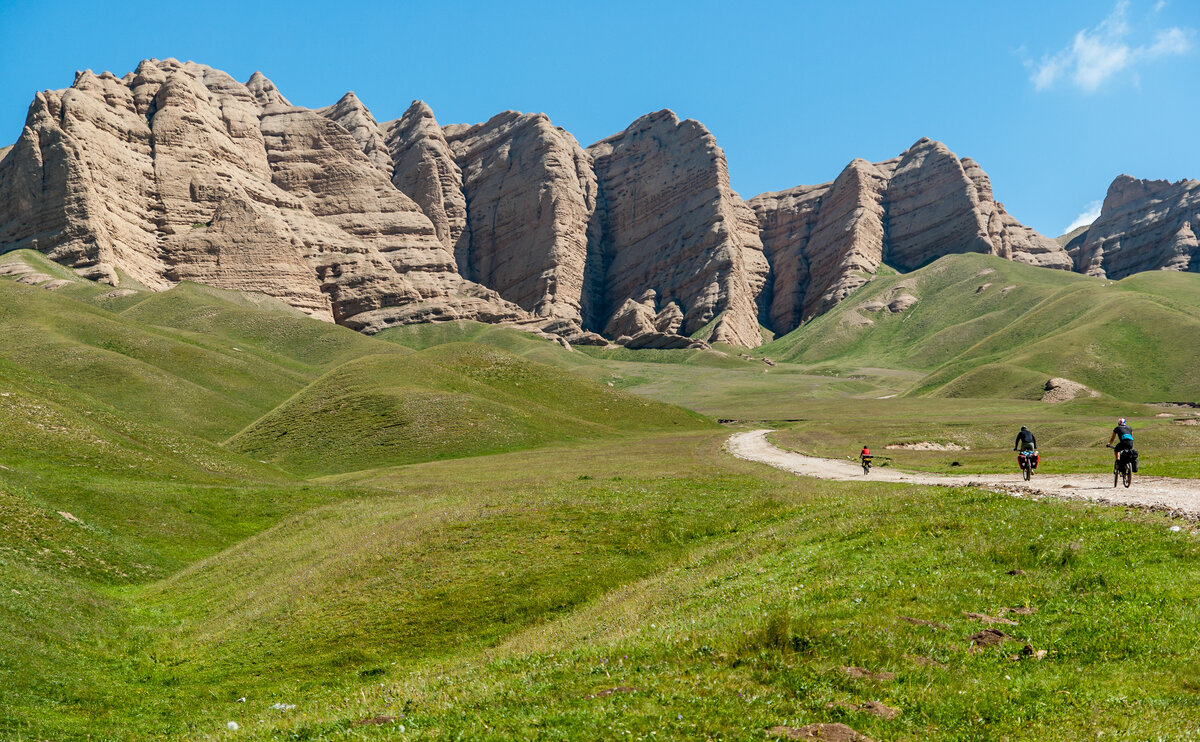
[(1143, 225), (178, 172), (670, 222), (825, 241)]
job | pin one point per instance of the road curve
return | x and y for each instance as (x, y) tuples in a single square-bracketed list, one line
[(1178, 496)]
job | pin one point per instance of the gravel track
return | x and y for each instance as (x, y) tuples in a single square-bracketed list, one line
[(1179, 497)]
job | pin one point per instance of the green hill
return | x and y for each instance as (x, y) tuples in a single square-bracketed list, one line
[(507, 544), (449, 401), (982, 326)]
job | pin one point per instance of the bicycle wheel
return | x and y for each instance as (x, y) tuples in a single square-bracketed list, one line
[(1025, 472), (1127, 477), (1116, 477)]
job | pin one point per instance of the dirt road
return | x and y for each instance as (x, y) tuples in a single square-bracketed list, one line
[(1178, 496)]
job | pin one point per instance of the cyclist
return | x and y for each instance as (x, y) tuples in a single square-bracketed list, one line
[(1026, 442), (1123, 435), (865, 455)]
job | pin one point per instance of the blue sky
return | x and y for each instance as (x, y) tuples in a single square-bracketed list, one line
[(1052, 99)]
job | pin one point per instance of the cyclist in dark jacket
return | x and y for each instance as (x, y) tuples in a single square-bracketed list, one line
[(1025, 440), (1123, 435)]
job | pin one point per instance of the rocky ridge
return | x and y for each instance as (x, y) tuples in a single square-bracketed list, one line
[(1143, 225), (825, 241), (178, 172)]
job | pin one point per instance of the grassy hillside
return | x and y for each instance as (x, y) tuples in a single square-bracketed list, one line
[(985, 327), (507, 544), (450, 401), (718, 383)]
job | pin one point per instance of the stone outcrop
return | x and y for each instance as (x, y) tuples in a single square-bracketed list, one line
[(424, 170), (669, 221), (356, 119), (1143, 225), (178, 172), (530, 194), (825, 241)]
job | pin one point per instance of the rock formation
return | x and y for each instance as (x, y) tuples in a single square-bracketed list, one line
[(1143, 225), (825, 241), (424, 170), (356, 119), (530, 195), (178, 172), (670, 222)]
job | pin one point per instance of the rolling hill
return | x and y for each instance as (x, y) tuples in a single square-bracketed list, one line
[(978, 326)]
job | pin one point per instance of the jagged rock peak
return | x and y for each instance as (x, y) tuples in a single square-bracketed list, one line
[(671, 222), (1143, 225), (827, 240), (264, 91), (423, 168), (355, 118)]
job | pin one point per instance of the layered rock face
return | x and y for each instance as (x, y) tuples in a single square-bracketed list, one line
[(1143, 225), (670, 222), (576, 236), (178, 172), (825, 241), (356, 119), (424, 169), (530, 194)]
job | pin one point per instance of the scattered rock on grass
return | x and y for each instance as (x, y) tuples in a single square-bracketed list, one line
[(863, 673), (985, 618), (828, 732), (1022, 610), (1016, 572), (923, 622), (1028, 652), (870, 707)]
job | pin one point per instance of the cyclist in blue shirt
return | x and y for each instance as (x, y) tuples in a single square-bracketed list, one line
[(1123, 435)]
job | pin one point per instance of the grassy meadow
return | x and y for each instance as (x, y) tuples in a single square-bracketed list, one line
[(214, 509)]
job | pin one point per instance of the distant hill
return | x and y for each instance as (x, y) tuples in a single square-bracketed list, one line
[(980, 326)]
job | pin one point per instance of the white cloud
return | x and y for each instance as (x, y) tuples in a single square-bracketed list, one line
[(1090, 213), (1099, 53), (1158, 6)]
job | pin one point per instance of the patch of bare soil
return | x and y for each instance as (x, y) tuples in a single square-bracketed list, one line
[(1022, 610), (989, 638), (985, 618), (827, 732), (865, 674), (1064, 390), (925, 661), (928, 446), (870, 707)]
